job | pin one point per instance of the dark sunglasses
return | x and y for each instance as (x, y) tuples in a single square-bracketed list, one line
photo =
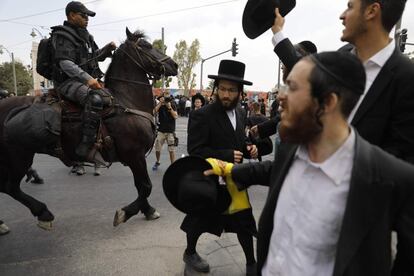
[(83, 15)]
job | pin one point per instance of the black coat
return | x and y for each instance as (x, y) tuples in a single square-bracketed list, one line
[(381, 199), (386, 115), (210, 133)]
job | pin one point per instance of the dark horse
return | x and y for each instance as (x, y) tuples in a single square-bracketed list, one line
[(131, 128)]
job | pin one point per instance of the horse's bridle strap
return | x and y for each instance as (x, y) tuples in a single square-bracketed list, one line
[(144, 114)]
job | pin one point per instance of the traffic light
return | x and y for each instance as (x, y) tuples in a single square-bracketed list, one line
[(403, 39), (234, 48)]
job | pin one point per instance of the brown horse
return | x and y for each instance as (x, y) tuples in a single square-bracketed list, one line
[(131, 127)]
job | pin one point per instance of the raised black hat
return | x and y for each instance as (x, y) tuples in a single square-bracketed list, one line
[(231, 70), (259, 15), (190, 191), (76, 6)]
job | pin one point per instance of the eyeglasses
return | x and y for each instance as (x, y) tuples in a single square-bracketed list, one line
[(230, 90), (83, 15)]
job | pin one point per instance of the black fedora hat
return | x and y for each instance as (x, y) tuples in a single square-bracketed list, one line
[(231, 70), (198, 96), (259, 15), (190, 191)]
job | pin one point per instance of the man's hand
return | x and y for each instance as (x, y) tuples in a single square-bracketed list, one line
[(112, 45), (252, 149), (168, 105), (94, 84), (254, 131), (219, 167), (278, 23), (238, 156)]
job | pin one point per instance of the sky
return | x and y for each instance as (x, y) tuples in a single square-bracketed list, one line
[(213, 22)]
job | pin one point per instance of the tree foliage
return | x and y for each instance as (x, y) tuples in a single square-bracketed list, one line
[(187, 58), (157, 44), (23, 78), (210, 85)]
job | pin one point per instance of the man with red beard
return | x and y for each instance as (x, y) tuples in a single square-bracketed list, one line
[(218, 131), (333, 197)]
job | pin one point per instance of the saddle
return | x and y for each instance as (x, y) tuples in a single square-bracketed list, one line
[(71, 117)]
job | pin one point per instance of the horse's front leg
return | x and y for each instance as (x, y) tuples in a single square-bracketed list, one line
[(144, 187)]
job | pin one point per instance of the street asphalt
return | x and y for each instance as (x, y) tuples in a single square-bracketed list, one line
[(83, 240)]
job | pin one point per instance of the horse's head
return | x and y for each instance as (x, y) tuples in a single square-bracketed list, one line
[(148, 58)]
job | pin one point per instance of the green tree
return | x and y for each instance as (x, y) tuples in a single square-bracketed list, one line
[(210, 85), (157, 44), (186, 58), (23, 78)]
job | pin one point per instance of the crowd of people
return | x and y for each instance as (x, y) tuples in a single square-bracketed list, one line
[(342, 176)]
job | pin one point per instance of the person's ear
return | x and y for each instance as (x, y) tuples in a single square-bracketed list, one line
[(332, 103), (372, 11)]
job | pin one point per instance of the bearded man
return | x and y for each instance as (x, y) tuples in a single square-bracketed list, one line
[(218, 130), (333, 197)]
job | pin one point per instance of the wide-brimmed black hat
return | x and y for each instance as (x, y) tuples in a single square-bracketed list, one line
[(198, 96), (76, 6), (259, 15), (231, 70), (190, 191)]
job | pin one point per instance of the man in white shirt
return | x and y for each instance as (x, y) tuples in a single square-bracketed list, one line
[(333, 198), (384, 115)]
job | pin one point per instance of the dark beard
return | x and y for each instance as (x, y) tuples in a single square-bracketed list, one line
[(232, 105), (304, 128)]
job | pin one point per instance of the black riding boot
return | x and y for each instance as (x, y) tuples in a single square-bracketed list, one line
[(90, 127)]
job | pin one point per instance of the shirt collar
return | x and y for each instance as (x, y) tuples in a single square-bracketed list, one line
[(381, 57), (334, 166)]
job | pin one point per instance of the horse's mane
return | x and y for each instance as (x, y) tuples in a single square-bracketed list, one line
[(138, 34)]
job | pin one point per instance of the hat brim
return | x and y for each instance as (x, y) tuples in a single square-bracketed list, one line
[(198, 96), (90, 13), (175, 172), (229, 78), (253, 27)]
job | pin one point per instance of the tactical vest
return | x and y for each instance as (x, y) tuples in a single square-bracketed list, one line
[(84, 54)]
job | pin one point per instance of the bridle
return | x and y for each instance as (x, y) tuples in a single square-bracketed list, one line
[(141, 53)]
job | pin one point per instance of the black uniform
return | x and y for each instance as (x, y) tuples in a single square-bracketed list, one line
[(75, 44)]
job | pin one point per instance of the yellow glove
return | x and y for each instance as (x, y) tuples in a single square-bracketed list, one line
[(239, 199)]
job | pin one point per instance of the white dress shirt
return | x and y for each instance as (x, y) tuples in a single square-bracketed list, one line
[(232, 116), (309, 214), (372, 68)]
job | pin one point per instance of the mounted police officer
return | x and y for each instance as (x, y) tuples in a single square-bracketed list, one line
[(76, 72)]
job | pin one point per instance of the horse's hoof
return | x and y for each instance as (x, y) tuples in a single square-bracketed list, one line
[(154, 215), (119, 217), (45, 225)]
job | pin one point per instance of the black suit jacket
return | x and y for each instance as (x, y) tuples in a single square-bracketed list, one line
[(380, 199), (211, 134), (386, 115)]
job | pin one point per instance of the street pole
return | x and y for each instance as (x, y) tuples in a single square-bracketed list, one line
[(202, 62), (397, 32), (163, 51), (13, 66), (14, 75), (278, 76), (201, 75)]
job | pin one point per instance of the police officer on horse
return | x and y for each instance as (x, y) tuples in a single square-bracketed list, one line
[(76, 72)]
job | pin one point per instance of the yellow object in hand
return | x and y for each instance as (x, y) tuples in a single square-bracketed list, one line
[(239, 199)]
